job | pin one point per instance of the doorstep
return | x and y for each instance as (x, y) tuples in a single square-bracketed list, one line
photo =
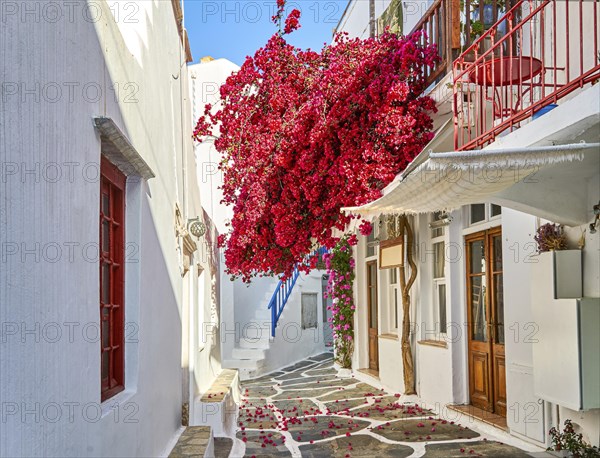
[(370, 372), (490, 418)]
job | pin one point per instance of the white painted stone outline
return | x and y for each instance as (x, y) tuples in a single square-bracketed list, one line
[(293, 445)]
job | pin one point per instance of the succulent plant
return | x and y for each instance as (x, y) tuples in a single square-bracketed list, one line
[(550, 237)]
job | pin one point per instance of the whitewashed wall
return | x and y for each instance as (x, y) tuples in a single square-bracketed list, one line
[(355, 20), (71, 63), (292, 343)]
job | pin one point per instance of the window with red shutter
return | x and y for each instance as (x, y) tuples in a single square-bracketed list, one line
[(112, 280)]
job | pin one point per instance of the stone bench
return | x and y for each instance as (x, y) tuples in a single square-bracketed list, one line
[(218, 406), (220, 387)]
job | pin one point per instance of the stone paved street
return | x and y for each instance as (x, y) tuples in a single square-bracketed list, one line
[(308, 410)]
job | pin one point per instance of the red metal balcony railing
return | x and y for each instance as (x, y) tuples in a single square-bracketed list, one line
[(452, 25), (537, 53)]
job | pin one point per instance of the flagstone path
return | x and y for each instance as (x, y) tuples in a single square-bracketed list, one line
[(308, 410)]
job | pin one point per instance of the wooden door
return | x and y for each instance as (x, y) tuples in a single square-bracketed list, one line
[(485, 311), (494, 239), (372, 315)]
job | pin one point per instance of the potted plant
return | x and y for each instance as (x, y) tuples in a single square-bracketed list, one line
[(571, 443), (563, 264), (481, 17), (550, 237)]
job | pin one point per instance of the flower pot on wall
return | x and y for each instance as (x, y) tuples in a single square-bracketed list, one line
[(566, 369), (565, 273)]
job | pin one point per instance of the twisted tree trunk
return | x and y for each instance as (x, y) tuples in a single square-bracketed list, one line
[(405, 285)]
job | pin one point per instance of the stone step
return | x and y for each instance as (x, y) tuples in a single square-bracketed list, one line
[(248, 353), (262, 343), (195, 441), (256, 329), (248, 374), (223, 446), (262, 315), (240, 364)]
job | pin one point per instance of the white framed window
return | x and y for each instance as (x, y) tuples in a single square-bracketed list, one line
[(439, 286), (372, 241), (438, 242), (482, 213), (437, 226)]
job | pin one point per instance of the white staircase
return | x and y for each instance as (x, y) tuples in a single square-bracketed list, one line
[(248, 355), (255, 352)]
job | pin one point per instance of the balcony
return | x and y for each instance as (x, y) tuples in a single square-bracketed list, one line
[(508, 59), (536, 54), (452, 26)]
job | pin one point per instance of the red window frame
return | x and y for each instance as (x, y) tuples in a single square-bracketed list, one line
[(112, 279)]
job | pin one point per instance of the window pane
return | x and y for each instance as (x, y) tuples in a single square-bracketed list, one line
[(393, 276), (477, 257), (439, 261), (437, 231), (105, 331), (477, 213), (478, 309), (442, 306), (371, 244), (373, 312), (497, 254), (105, 287), (396, 308), (105, 236), (372, 296), (496, 210), (499, 293), (105, 365), (105, 205)]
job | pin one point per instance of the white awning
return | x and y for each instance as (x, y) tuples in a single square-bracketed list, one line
[(447, 181)]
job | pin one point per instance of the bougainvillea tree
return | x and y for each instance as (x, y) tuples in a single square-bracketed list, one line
[(303, 134)]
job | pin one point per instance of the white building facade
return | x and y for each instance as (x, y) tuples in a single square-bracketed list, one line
[(492, 335), (101, 276)]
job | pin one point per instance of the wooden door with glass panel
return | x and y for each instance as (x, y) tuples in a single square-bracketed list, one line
[(372, 315), (485, 310)]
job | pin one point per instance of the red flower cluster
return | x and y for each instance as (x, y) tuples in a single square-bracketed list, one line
[(292, 22), (303, 134), (365, 228)]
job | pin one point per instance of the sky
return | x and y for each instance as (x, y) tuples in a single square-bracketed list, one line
[(234, 29)]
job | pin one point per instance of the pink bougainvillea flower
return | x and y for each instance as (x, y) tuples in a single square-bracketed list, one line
[(292, 22), (365, 228), (317, 132)]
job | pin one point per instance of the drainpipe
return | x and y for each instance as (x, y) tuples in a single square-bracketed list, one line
[(372, 18)]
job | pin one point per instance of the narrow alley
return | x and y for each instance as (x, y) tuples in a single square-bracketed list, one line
[(309, 410)]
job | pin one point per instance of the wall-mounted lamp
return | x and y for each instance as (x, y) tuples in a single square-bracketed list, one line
[(444, 220), (594, 224), (196, 227)]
